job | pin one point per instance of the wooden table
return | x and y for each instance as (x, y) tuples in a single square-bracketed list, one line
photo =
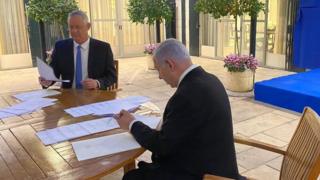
[(23, 156)]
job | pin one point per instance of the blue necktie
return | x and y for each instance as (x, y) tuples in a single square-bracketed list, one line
[(78, 68)]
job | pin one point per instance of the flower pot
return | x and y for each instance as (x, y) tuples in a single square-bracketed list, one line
[(239, 81), (150, 63)]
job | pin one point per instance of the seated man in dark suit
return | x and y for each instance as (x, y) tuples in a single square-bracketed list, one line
[(196, 135), (88, 63)]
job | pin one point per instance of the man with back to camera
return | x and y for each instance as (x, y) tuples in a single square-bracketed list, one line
[(196, 135), (88, 63)]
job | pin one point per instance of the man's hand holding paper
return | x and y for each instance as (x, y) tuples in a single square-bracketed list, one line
[(46, 74)]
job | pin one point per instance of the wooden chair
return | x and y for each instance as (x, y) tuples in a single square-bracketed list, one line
[(114, 87), (302, 157)]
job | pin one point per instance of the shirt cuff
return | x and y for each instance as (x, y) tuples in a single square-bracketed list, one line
[(130, 125), (98, 83)]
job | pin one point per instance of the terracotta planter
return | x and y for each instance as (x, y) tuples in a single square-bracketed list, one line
[(150, 63), (239, 81)]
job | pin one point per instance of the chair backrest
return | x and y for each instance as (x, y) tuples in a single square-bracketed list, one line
[(302, 159), (115, 85)]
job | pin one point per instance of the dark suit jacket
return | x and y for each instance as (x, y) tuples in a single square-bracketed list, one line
[(196, 135), (100, 62)]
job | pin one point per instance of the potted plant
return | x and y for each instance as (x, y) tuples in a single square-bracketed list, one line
[(240, 72), (234, 8), (53, 12), (148, 12), (148, 50)]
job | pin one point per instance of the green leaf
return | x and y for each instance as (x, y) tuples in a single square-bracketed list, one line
[(50, 11), (148, 11)]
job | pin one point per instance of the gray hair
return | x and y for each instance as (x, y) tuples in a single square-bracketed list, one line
[(78, 13), (171, 49)]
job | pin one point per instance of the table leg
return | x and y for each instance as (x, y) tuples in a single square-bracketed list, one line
[(130, 166)]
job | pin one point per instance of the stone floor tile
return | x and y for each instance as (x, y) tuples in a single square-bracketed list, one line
[(255, 157), (288, 114), (276, 163), (259, 124), (241, 147), (241, 169), (283, 132), (262, 173), (245, 109)]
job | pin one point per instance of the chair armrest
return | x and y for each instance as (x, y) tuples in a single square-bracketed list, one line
[(214, 177), (258, 144)]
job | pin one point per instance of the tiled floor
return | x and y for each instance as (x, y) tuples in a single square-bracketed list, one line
[(251, 119)]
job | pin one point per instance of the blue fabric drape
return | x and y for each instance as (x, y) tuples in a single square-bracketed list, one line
[(307, 35)]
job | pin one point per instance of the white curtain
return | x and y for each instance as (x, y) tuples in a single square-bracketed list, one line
[(13, 32)]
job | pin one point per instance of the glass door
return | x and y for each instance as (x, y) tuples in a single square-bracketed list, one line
[(104, 23), (217, 36), (260, 48), (226, 37), (110, 22), (132, 36), (207, 36), (276, 32)]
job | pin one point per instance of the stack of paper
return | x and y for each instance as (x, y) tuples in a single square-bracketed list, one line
[(36, 94), (107, 107), (32, 101), (112, 144), (63, 133), (27, 106)]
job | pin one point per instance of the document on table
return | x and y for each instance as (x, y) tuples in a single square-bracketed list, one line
[(27, 106), (107, 107), (36, 94), (68, 132), (103, 146), (150, 121), (111, 144), (46, 71)]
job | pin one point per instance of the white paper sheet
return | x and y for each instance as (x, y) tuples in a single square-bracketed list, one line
[(46, 71), (112, 144), (27, 106), (102, 146), (107, 108), (150, 121), (5, 115), (64, 133), (36, 94)]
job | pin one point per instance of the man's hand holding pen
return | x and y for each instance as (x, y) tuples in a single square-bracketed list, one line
[(124, 119)]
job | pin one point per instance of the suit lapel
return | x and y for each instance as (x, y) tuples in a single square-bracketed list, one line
[(90, 57), (70, 56)]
